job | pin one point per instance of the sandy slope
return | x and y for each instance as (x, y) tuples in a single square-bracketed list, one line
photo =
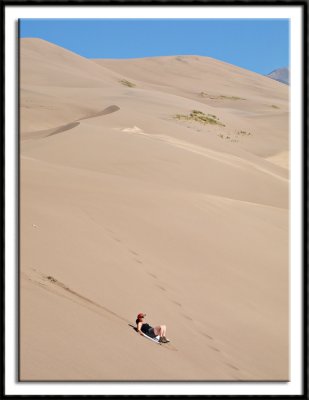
[(125, 208)]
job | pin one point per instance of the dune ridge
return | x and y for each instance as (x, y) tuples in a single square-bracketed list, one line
[(59, 129), (126, 208)]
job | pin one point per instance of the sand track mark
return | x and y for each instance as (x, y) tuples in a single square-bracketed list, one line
[(57, 287)]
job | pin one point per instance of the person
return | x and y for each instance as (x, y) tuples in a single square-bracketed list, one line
[(145, 328)]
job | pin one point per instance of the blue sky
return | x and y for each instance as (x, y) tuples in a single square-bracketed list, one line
[(260, 45)]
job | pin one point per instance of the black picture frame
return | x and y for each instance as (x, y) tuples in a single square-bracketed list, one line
[(104, 3)]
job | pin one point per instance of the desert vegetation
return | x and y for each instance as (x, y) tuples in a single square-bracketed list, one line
[(220, 97), (127, 83), (201, 117), (235, 137)]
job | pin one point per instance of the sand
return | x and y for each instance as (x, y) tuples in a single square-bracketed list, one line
[(127, 208)]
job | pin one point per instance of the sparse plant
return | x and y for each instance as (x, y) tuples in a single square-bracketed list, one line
[(201, 117), (243, 133), (220, 97), (127, 83), (234, 137), (231, 97)]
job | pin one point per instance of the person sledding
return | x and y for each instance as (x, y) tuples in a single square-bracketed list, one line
[(145, 329)]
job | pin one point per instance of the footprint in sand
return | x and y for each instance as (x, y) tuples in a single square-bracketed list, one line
[(232, 366), (208, 336), (187, 317), (215, 349)]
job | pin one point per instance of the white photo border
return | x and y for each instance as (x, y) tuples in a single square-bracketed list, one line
[(297, 126)]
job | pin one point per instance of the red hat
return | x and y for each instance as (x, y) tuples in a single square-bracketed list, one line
[(140, 315)]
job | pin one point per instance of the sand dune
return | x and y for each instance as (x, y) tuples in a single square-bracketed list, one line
[(128, 204), (203, 78)]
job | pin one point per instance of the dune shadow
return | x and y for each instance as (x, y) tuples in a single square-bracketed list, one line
[(59, 129), (50, 132), (106, 111)]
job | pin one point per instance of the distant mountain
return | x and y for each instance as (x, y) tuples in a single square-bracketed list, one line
[(281, 75)]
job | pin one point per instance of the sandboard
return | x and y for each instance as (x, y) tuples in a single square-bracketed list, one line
[(154, 339)]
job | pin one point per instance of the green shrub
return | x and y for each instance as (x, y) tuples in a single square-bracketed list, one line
[(220, 97), (243, 133), (127, 83), (199, 116)]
